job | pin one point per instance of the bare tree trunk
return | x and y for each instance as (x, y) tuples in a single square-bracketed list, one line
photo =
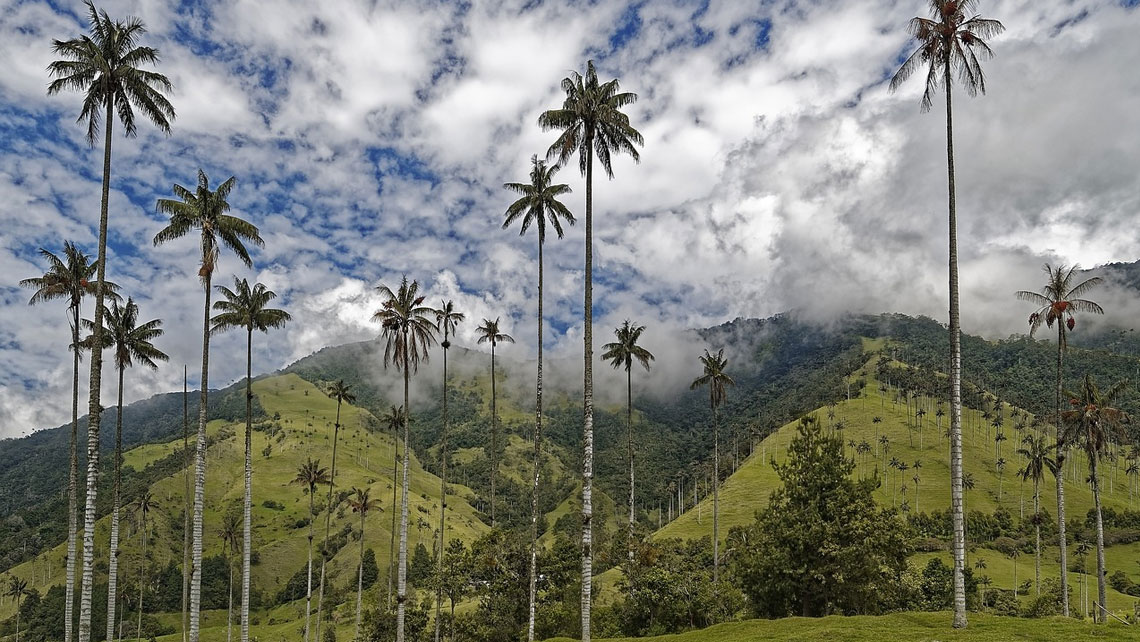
[(230, 602), (716, 498), (93, 407), (494, 435), (1100, 588), (533, 584), (402, 568), (1037, 530), (72, 484), (392, 531), (186, 509), (359, 580), (309, 568), (328, 520), (442, 491), (1060, 479), (113, 562), (629, 447), (588, 401), (247, 503), (200, 476), (956, 510), (142, 577)]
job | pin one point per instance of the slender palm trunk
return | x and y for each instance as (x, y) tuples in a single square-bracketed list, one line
[(72, 483), (17, 618), (230, 602), (533, 584), (402, 569), (716, 498), (186, 508), (200, 476), (392, 531), (309, 567), (360, 581), (93, 407), (1060, 479), (956, 509), (328, 520), (588, 401), (113, 564), (494, 434), (1037, 531), (142, 578), (1100, 589), (247, 503), (442, 493), (629, 448)]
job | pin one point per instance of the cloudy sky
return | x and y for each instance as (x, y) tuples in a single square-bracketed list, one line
[(371, 139)]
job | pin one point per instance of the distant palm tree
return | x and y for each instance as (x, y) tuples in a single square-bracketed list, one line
[(342, 393), (1037, 461), (310, 475), (247, 308), (361, 503), (717, 380), (231, 538), (204, 210), (1057, 302), (489, 333), (408, 332), (1091, 424), (394, 420), (145, 502), (591, 122), (131, 342), (17, 588), (446, 319), (621, 354), (1000, 464), (69, 277), (107, 68), (537, 204), (948, 42)]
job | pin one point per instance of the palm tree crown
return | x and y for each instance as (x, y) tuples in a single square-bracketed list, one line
[(591, 121), (341, 392), (311, 475), (714, 377), (949, 41), (1059, 299), (205, 210), (245, 307), (538, 201), (105, 66), (1093, 420), (489, 333), (446, 320), (69, 277), (624, 351), (131, 341), (403, 312), (360, 502)]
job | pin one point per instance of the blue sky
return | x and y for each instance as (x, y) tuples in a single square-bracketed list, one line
[(371, 139)]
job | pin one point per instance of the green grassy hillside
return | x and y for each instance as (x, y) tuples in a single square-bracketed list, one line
[(912, 627)]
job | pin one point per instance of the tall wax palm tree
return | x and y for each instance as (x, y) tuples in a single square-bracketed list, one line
[(145, 502), (131, 342), (489, 333), (590, 122), (310, 475), (231, 542), (621, 354), (446, 320), (408, 332), (1037, 461), (342, 393), (717, 380), (951, 41), (1056, 303), (107, 67), (361, 503), (69, 277), (1091, 424), (537, 205), (247, 308), (17, 588), (204, 210), (394, 419)]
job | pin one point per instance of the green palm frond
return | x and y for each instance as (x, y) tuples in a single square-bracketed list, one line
[(246, 307), (538, 201), (406, 325), (489, 332), (624, 351)]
